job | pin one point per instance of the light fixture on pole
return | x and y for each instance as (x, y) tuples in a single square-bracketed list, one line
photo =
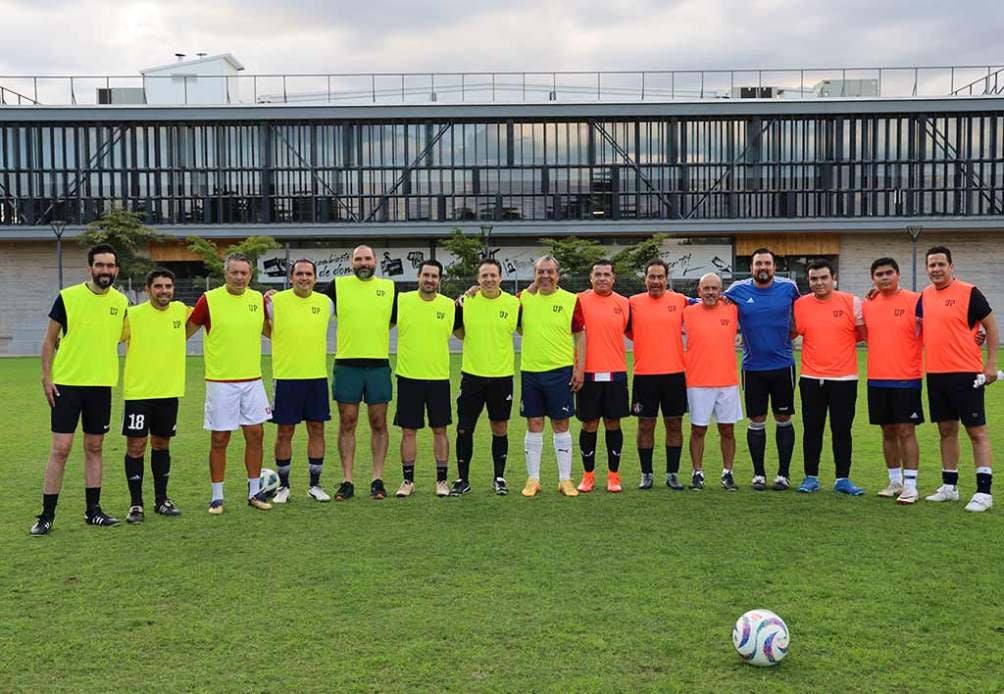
[(914, 231), (486, 240), (58, 227)]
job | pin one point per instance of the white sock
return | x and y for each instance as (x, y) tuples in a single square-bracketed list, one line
[(217, 491), (563, 452), (909, 480), (254, 486), (895, 475), (533, 446)]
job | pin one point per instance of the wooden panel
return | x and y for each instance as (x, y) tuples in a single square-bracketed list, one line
[(790, 244)]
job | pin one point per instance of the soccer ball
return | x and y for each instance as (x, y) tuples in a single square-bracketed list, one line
[(269, 481), (760, 638)]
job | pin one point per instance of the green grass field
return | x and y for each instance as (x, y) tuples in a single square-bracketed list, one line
[(636, 591)]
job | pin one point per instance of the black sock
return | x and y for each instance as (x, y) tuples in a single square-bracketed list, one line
[(784, 436), (92, 495), (614, 439), (673, 454), (442, 471), (409, 471), (587, 449), (160, 466), (645, 455), (315, 465), (49, 505), (465, 449), (282, 468), (756, 439), (134, 478), (950, 477), (500, 451), (984, 481)]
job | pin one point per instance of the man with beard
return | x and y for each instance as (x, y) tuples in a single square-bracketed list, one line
[(765, 308), (425, 321), (78, 378), (153, 381), (659, 382), (233, 317), (365, 308)]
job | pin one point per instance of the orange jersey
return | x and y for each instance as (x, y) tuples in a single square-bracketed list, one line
[(605, 319), (657, 332), (949, 339), (711, 345), (894, 347), (829, 335)]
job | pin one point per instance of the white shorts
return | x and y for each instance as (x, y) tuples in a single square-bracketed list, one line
[(723, 403), (229, 406)]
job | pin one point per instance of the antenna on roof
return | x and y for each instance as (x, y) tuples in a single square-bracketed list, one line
[(179, 56)]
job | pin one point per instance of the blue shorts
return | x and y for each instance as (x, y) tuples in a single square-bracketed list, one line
[(547, 393), (298, 400)]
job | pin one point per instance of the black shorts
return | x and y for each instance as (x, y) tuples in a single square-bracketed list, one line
[(606, 399), (92, 405), (476, 392), (300, 400), (652, 392), (776, 385), (952, 398), (415, 397), (895, 405), (157, 416)]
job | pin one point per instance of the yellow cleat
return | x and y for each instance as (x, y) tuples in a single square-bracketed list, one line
[(567, 488), (532, 487)]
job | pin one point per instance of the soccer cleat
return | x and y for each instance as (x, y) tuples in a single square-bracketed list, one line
[(346, 490), (891, 490), (980, 503), (532, 487), (281, 496), (781, 484), (98, 517), (500, 486), (377, 491), (907, 497), (646, 480), (614, 482), (697, 481), (135, 515), (809, 484), (43, 524), (460, 487), (673, 481), (946, 492), (317, 493), (259, 502), (587, 483), (729, 484), (406, 489), (567, 488), (216, 507), (845, 486), (442, 488), (166, 508), (759, 483)]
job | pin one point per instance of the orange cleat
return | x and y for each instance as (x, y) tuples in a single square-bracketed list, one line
[(613, 482), (588, 482)]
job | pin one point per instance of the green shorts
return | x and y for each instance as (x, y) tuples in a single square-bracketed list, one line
[(353, 384)]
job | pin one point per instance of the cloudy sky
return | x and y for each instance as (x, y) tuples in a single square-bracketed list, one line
[(122, 36)]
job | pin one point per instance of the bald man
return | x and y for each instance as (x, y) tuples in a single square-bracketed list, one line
[(365, 307)]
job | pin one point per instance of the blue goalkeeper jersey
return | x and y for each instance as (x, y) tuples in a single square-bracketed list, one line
[(765, 319)]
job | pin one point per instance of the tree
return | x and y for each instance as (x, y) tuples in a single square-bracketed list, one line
[(212, 257), (630, 261), (467, 251), (575, 255), (126, 233)]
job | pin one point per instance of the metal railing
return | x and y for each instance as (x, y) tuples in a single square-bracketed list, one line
[(414, 88)]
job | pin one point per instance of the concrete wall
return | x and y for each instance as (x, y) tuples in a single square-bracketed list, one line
[(978, 259)]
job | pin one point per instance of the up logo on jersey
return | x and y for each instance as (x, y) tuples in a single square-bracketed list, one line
[(671, 309), (253, 308), (503, 314), (949, 302), (557, 309), (381, 292), (726, 322), (440, 315), (618, 311), (315, 309), (177, 324), (113, 311), (899, 312), (838, 313)]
